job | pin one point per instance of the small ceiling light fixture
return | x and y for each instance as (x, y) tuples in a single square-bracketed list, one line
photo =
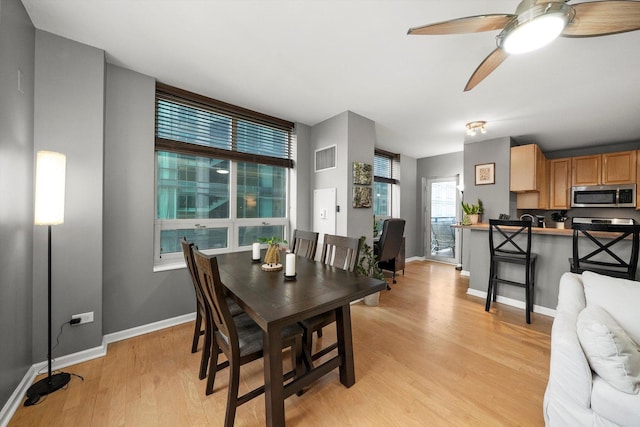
[(475, 127), (536, 26)]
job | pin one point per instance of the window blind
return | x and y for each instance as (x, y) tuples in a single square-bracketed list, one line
[(386, 167), (189, 123)]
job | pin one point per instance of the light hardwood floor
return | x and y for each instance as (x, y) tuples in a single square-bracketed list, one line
[(428, 355)]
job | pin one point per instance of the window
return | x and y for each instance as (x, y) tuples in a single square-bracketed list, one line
[(221, 175), (385, 172)]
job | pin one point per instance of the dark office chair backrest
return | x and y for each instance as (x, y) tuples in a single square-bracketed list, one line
[(304, 243), (391, 239), (603, 258)]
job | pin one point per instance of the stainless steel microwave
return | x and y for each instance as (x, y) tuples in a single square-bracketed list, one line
[(604, 196)]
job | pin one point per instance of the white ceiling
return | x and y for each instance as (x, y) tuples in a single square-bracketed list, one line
[(308, 60)]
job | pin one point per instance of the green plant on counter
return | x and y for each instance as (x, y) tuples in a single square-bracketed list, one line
[(471, 209)]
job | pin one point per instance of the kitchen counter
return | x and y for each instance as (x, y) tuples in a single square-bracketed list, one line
[(553, 249)]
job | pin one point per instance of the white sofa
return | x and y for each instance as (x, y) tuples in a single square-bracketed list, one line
[(575, 394)]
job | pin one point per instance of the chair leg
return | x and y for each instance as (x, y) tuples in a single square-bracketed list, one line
[(196, 330), (213, 366), (319, 332), (487, 305), (394, 277), (232, 399), (206, 351), (495, 282), (307, 342)]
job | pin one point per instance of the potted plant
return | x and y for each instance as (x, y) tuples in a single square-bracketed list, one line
[(368, 266), (472, 213), (272, 256)]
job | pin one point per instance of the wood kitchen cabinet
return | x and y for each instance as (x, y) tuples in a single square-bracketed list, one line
[(619, 168), (528, 177), (559, 183), (604, 169)]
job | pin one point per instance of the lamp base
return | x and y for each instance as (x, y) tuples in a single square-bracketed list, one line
[(46, 386)]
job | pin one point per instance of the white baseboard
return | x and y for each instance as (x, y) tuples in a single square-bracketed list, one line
[(18, 394), (513, 302), (414, 258), (465, 273)]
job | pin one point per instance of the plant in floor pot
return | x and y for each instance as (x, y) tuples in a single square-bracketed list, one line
[(472, 213), (368, 266)]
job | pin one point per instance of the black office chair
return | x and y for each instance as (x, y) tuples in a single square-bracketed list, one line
[(504, 249), (602, 259), (387, 248), (304, 243)]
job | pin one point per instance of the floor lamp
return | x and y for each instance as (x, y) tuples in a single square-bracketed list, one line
[(49, 210)]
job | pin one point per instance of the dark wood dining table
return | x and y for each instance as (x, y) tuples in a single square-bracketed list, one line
[(274, 302)]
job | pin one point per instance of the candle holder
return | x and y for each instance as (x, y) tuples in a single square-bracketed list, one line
[(289, 278), (256, 261), (271, 267)]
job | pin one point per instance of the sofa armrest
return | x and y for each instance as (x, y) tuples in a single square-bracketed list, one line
[(570, 377)]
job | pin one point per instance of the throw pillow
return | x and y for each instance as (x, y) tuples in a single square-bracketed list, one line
[(611, 353), (618, 296)]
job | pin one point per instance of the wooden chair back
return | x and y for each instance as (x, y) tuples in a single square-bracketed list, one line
[(602, 259), (340, 251), (304, 243), (214, 293)]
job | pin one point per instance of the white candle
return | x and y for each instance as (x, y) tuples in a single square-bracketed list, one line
[(256, 251), (291, 265)]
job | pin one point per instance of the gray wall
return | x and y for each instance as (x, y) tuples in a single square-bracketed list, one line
[(69, 118), (408, 188), (496, 198), (300, 211), (133, 294), (441, 166), (16, 186)]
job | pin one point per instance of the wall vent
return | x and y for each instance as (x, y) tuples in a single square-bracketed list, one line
[(326, 158)]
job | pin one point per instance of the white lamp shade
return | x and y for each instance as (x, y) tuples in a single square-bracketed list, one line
[(50, 180)]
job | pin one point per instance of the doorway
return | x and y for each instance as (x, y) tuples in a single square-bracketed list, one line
[(441, 210)]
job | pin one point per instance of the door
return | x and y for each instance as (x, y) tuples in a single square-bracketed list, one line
[(441, 209)]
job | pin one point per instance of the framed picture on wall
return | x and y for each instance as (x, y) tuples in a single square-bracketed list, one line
[(362, 197), (362, 173), (485, 173)]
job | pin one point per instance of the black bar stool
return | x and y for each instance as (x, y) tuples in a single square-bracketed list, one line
[(504, 249), (602, 259)]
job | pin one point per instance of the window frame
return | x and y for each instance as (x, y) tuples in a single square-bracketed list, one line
[(175, 260), (392, 181)]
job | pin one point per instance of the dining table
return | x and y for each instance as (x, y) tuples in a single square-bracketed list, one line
[(274, 301)]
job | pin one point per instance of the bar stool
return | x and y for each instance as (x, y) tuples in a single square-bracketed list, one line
[(504, 249), (602, 259)]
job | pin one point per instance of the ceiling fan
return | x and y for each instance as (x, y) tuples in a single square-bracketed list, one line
[(536, 23)]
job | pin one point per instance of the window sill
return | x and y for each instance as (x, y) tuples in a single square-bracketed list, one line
[(176, 265)]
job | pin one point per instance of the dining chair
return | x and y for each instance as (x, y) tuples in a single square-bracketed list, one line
[(304, 243), (504, 248), (201, 307), (602, 258), (238, 337), (337, 251), (388, 247)]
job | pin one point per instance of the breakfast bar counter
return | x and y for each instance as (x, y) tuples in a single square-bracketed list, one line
[(554, 248)]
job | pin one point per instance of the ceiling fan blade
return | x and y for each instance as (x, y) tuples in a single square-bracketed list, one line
[(470, 24), (487, 66), (601, 18)]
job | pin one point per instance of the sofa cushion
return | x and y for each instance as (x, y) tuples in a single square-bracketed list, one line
[(620, 408), (610, 352), (618, 296)]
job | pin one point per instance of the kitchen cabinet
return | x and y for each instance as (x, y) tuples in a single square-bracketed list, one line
[(637, 179), (528, 177), (604, 169), (559, 183), (586, 170), (619, 168)]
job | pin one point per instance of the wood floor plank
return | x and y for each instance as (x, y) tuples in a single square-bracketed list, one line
[(427, 355)]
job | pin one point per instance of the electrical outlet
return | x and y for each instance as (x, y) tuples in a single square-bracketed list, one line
[(84, 317)]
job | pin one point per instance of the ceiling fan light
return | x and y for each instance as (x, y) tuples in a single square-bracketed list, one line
[(535, 28)]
